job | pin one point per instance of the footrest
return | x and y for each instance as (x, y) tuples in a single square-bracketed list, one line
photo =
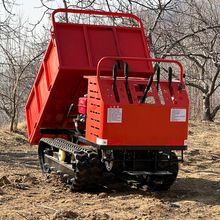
[(140, 173)]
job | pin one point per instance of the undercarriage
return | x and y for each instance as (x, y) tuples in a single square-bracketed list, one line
[(82, 166)]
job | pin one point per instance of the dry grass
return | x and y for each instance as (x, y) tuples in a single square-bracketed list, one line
[(26, 194)]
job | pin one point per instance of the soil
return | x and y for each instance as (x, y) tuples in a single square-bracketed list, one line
[(26, 194)]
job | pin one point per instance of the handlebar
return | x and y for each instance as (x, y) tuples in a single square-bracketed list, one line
[(139, 59), (75, 11)]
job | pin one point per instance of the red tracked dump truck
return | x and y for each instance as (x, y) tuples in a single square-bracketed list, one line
[(97, 105)]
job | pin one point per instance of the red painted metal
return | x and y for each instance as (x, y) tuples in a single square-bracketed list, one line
[(73, 52), (145, 60), (75, 11), (121, 121)]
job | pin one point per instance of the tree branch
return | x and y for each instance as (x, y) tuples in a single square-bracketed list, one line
[(190, 35), (214, 112), (196, 86), (212, 87), (5, 7)]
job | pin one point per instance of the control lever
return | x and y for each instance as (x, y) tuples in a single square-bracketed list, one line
[(146, 90), (126, 76), (158, 77), (126, 83), (170, 82), (70, 110), (114, 73), (170, 71)]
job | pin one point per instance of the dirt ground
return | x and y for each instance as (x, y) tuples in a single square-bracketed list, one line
[(26, 194)]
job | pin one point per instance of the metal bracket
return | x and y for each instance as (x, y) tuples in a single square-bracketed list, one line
[(140, 173)]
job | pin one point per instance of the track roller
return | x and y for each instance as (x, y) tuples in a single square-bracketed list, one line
[(76, 165)]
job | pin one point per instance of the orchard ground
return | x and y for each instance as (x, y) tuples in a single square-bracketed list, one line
[(26, 194)]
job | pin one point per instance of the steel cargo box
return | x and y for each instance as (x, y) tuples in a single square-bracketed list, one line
[(73, 52)]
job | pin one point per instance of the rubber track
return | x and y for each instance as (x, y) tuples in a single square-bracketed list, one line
[(86, 169), (167, 181)]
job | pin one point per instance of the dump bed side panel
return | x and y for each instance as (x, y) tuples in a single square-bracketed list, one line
[(80, 47), (40, 92)]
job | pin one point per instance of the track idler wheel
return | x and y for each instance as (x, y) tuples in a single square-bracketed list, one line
[(76, 165), (61, 155)]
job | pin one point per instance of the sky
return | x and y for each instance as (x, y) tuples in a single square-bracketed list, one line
[(32, 10)]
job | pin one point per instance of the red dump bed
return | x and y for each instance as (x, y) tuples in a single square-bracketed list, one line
[(73, 52)]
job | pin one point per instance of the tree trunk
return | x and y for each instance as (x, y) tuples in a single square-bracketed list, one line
[(13, 117), (12, 125), (206, 108)]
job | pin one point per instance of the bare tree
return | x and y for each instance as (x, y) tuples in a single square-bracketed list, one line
[(187, 30), (8, 5), (190, 32), (19, 58)]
